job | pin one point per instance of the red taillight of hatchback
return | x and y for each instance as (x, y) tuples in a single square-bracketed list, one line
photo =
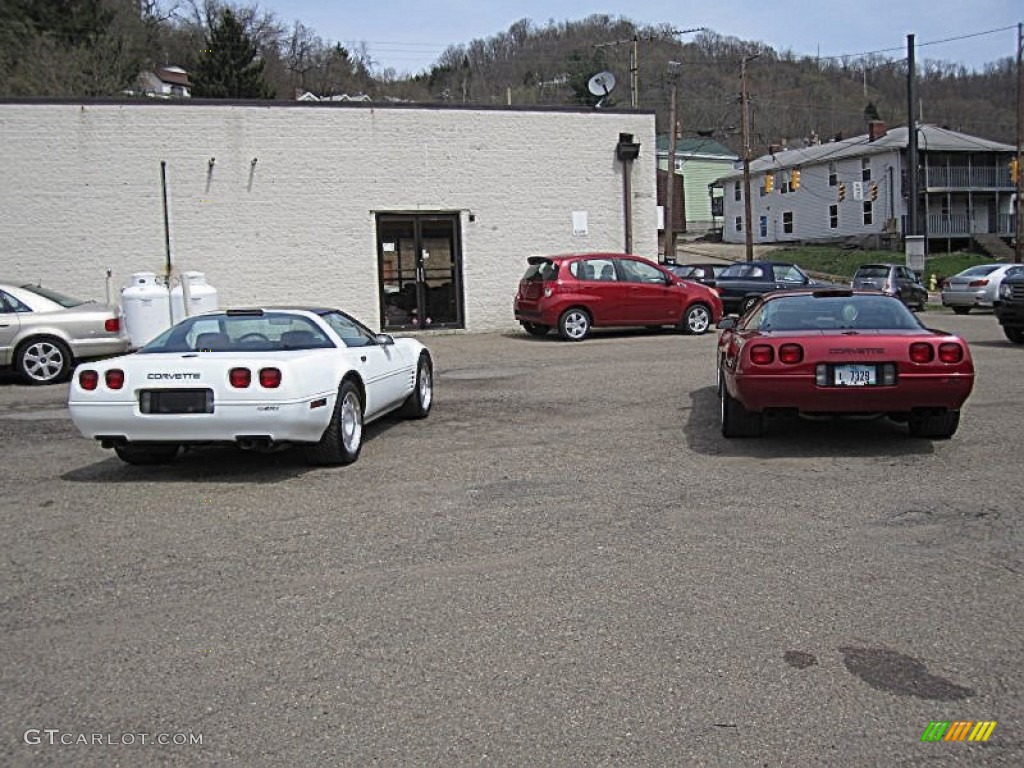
[(112, 325), (240, 378), (762, 354), (977, 283), (270, 378), (921, 352), (950, 352), (791, 354), (114, 378), (88, 380)]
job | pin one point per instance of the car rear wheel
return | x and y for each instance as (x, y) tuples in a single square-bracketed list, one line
[(736, 420), (140, 455), (961, 310), (343, 438), (1016, 335), (574, 324), (697, 320), (43, 361), (536, 329), (939, 425), (417, 405)]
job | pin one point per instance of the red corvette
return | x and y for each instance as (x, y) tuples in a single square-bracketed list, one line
[(840, 352)]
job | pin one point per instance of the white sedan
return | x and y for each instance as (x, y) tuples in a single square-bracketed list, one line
[(258, 378)]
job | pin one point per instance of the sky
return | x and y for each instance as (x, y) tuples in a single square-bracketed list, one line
[(409, 36)]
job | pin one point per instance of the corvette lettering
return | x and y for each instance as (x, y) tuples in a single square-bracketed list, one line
[(173, 376), (857, 351)]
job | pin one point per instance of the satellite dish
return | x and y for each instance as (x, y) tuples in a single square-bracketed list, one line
[(601, 84)]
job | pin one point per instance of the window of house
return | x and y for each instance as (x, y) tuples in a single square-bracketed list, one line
[(736, 191), (787, 222), (865, 169), (764, 226), (833, 216), (739, 223), (868, 218), (833, 175)]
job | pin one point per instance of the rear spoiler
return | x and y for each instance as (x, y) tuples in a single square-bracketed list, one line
[(535, 260)]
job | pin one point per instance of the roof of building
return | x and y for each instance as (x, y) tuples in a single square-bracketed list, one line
[(931, 138), (697, 147), (173, 75)]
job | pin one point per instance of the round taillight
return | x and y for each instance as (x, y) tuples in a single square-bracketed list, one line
[(791, 353), (112, 325), (240, 378), (270, 378), (88, 380), (114, 378), (762, 354), (951, 352), (921, 352)]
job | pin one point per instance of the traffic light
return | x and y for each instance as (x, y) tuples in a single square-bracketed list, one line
[(1014, 170), (873, 194), (769, 183), (794, 179), (841, 191)]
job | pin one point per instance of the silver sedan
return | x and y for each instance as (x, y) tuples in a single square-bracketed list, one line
[(43, 333), (976, 287)]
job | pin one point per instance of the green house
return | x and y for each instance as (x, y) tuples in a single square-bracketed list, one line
[(699, 162)]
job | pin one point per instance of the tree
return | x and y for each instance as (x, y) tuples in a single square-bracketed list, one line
[(228, 66), (871, 112)]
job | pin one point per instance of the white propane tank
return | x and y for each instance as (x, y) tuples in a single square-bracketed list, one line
[(201, 296), (146, 307)]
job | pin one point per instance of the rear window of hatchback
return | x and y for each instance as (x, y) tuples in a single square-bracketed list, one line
[(545, 270)]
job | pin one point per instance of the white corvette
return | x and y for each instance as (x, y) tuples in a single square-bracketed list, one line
[(258, 378)]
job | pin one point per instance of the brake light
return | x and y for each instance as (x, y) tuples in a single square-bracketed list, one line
[(114, 378), (977, 283), (270, 378), (951, 352), (921, 352), (791, 353), (88, 380), (887, 287), (762, 354), (112, 325), (240, 378)]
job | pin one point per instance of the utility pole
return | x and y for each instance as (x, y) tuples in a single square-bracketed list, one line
[(634, 73), (1019, 209), (670, 189), (748, 216), (912, 223)]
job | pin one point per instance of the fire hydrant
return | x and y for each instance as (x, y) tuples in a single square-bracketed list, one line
[(931, 282)]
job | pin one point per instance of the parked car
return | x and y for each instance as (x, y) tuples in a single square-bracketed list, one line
[(574, 293), (1009, 307), (741, 284), (705, 274), (257, 378), (894, 280), (43, 332), (976, 287), (827, 353)]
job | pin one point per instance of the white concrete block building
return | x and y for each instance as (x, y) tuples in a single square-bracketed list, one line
[(410, 217)]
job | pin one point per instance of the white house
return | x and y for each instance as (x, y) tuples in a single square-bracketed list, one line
[(857, 187), (411, 217)]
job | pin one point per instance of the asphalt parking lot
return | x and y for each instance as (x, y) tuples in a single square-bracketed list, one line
[(566, 564)]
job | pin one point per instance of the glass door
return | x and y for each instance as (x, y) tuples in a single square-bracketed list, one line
[(420, 271)]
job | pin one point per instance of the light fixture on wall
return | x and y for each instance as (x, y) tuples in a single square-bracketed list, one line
[(209, 164)]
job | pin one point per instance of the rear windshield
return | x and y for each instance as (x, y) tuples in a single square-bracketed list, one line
[(269, 332), (873, 271), (546, 270), (822, 313), (980, 271), (65, 301)]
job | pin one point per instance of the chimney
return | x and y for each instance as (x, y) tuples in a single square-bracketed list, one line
[(774, 149), (877, 129)]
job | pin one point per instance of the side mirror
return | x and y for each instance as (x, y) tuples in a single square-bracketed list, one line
[(726, 323), (385, 339)]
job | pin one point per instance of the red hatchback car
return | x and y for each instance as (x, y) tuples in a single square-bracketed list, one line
[(577, 292), (827, 353)]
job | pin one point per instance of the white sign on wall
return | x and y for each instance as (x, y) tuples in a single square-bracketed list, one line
[(858, 190), (579, 223)]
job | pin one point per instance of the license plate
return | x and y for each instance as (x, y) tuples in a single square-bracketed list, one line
[(176, 401), (854, 376)]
